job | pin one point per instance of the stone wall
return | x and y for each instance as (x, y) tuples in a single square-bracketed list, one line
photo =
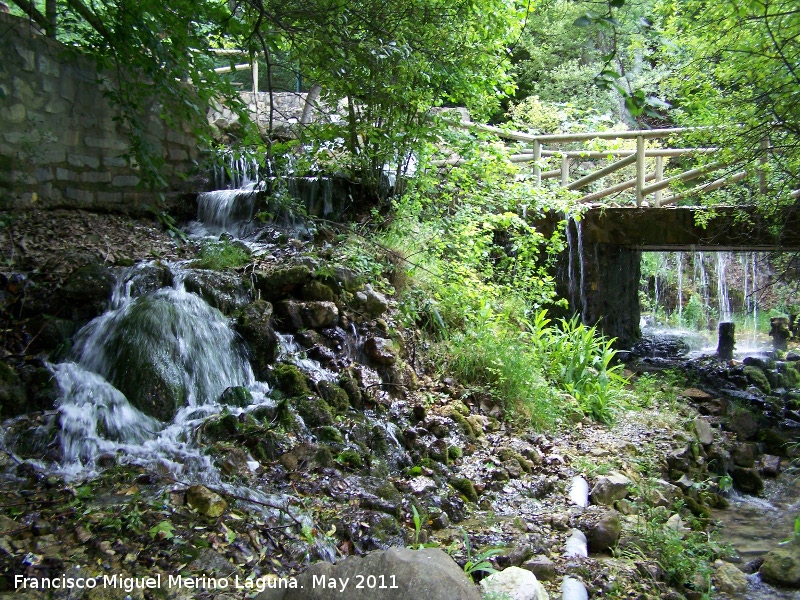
[(59, 143)]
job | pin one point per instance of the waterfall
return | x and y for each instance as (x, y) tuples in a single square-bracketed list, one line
[(723, 299), (755, 296), (582, 259), (679, 264), (143, 374), (701, 275)]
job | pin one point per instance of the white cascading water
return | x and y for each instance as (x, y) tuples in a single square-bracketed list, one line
[(189, 344), (679, 264), (723, 299)]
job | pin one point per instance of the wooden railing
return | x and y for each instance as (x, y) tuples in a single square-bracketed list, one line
[(644, 183)]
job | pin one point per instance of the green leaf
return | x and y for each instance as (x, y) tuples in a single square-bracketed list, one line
[(164, 530), (584, 21), (616, 3)]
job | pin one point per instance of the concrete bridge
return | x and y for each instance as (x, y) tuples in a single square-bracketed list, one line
[(600, 271)]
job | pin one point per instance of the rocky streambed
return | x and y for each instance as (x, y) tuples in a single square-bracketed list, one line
[(339, 437)]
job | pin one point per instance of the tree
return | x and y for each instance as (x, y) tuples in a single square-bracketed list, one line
[(738, 68), (388, 63)]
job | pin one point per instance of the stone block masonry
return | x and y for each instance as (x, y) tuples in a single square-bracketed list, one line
[(60, 145)]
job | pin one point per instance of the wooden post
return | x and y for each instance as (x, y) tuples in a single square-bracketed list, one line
[(727, 341), (537, 157), (659, 176), (565, 171), (781, 331), (640, 171)]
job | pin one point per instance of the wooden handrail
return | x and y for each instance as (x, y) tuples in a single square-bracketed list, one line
[(581, 137)]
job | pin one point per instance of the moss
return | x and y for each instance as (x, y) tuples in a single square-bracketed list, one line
[(791, 378), (387, 491), (353, 390), (334, 395), (454, 452), (223, 427), (323, 457), (329, 435), (385, 529), (415, 471), (757, 377), (314, 411), (350, 458), (379, 442), (463, 424), (465, 487), (236, 396), (315, 290), (509, 455), (290, 380)]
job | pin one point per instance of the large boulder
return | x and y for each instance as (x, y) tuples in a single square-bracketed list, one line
[(393, 574), (513, 583), (164, 351), (224, 291), (255, 326), (610, 488), (782, 566)]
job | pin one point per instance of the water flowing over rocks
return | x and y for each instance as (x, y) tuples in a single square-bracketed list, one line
[(252, 421)]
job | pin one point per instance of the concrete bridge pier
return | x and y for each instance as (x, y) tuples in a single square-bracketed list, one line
[(601, 283)]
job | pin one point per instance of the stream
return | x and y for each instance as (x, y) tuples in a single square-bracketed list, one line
[(755, 525)]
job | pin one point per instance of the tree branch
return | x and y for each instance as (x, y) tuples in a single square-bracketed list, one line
[(89, 17), (33, 13)]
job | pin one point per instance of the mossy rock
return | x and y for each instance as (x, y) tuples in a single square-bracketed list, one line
[(160, 347), (280, 283), (465, 487), (290, 380), (334, 395), (223, 427), (790, 377), (757, 377), (89, 283), (227, 292), (350, 458), (317, 291), (255, 326), (387, 491), (454, 453), (353, 390), (329, 435), (314, 411), (236, 396), (13, 396)]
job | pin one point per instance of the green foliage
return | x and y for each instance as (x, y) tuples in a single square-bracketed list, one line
[(592, 56), (479, 281), (735, 66), (221, 255), (478, 561), (579, 358), (163, 530)]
